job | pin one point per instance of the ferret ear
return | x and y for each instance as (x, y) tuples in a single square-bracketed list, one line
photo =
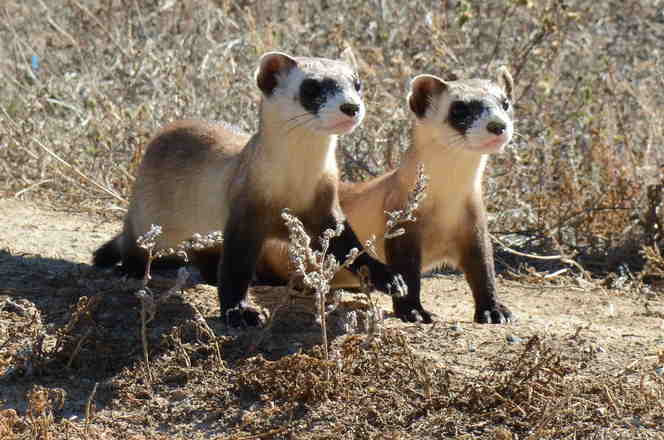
[(423, 89), (505, 80), (270, 66)]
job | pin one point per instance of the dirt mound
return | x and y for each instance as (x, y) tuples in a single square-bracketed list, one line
[(73, 361)]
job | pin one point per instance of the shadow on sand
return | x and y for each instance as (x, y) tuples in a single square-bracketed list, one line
[(70, 326)]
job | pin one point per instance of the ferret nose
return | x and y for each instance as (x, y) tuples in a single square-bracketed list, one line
[(349, 109), (496, 127)]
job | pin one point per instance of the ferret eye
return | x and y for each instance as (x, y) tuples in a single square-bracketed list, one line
[(459, 111), (506, 104), (357, 84), (310, 89)]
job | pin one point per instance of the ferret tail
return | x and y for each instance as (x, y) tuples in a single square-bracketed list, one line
[(109, 254)]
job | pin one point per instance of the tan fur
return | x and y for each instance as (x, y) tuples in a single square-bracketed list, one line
[(192, 170), (449, 216), (199, 177), (442, 216), (175, 179)]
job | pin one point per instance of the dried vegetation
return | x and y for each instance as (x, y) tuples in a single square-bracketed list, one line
[(85, 83)]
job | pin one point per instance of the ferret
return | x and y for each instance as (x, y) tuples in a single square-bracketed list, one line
[(198, 177), (457, 124)]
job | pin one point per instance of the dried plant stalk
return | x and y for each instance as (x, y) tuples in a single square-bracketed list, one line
[(317, 268), (148, 241)]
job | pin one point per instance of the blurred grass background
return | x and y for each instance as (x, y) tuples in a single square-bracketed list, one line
[(85, 83)]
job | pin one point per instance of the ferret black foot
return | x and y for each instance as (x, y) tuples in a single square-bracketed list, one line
[(242, 316), (496, 314), (383, 279), (409, 311)]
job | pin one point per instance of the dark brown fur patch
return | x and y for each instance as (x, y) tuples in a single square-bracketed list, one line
[(188, 143), (404, 255), (108, 254), (423, 90), (243, 239), (478, 267), (325, 211), (272, 65), (207, 262)]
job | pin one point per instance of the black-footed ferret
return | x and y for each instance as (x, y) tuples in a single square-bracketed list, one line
[(457, 125), (201, 177)]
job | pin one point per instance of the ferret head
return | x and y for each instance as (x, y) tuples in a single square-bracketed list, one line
[(317, 94), (473, 114)]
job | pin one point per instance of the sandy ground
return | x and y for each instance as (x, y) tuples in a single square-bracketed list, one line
[(44, 267)]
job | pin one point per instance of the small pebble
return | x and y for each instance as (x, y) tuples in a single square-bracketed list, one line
[(472, 348), (456, 327), (659, 371), (512, 339)]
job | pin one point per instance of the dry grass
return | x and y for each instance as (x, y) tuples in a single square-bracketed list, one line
[(210, 382), (85, 83), (583, 177), (537, 392)]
